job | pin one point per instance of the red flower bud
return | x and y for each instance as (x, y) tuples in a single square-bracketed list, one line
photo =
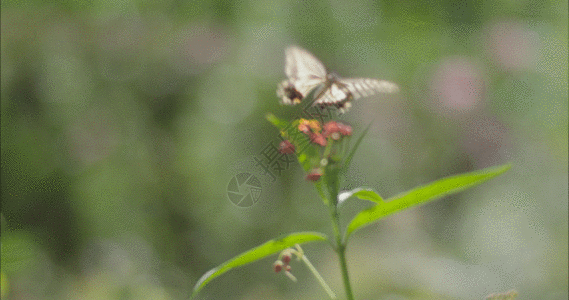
[(345, 129), (330, 128), (285, 147), (314, 175), (278, 266), (286, 259), (318, 138)]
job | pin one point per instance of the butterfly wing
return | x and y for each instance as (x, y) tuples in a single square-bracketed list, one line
[(302, 66), (304, 71), (343, 91), (365, 87)]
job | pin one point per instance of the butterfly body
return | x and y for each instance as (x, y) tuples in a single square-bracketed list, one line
[(305, 73)]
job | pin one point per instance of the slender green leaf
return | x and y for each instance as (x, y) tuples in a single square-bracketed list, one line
[(264, 250), (320, 190), (423, 194), (355, 147), (280, 124), (362, 193)]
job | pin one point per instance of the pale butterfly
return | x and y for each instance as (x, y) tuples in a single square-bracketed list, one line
[(306, 73)]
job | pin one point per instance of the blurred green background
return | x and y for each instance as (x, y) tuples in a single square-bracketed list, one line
[(123, 123)]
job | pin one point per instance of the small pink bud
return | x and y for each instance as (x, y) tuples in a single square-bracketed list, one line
[(286, 147), (314, 175), (278, 266), (331, 128), (286, 259), (345, 129), (318, 138)]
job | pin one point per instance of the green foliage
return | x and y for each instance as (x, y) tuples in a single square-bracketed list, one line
[(266, 249), (420, 195), (123, 121), (364, 194), (19, 251), (423, 194)]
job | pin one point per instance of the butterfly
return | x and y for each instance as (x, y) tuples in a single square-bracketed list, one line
[(305, 73)]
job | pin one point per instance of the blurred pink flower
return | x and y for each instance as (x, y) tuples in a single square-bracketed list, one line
[(512, 45), (457, 86)]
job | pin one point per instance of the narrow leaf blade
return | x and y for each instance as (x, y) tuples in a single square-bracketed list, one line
[(362, 193), (355, 147), (262, 251), (280, 124), (423, 194)]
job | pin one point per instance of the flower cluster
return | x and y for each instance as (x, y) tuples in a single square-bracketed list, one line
[(284, 261), (320, 136)]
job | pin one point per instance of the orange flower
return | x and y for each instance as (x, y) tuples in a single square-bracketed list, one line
[(309, 125), (314, 125), (304, 126)]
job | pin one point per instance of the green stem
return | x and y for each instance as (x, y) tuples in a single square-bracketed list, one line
[(345, 275), (340, 246), (318, 277)]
